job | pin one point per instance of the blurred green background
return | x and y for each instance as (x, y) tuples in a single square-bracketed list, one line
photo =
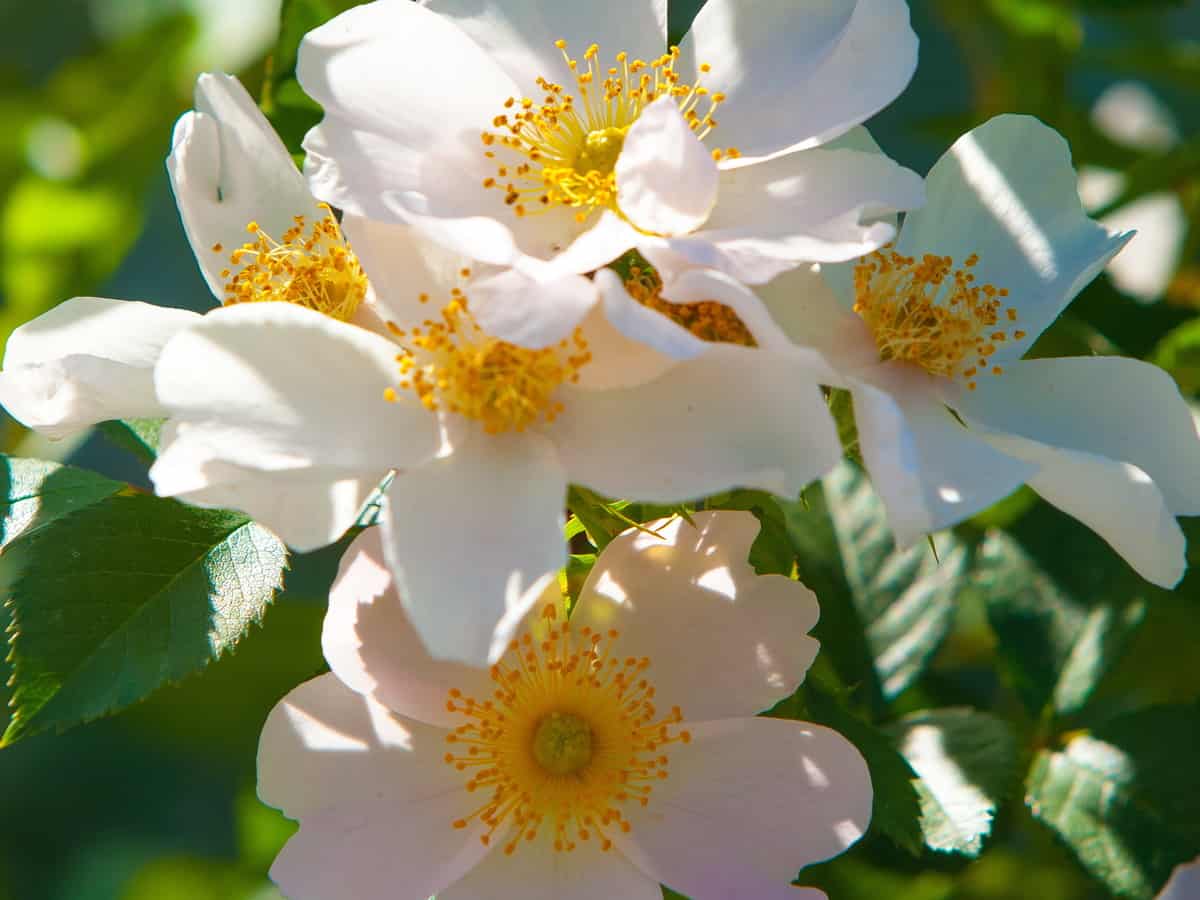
[(158, 803)]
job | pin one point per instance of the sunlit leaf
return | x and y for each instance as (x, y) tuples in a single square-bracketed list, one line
[(124, 595), (966, 762), (1125, 798)]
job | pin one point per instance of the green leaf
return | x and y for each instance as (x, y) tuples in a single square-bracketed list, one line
[(123, 596), (906, 599), (1179, 353), (1036, 624), (139, 436), (596, 514), (37, 492), (1054, 650), (289, 109), (1107, 633), (1126, 798), (966, 762)]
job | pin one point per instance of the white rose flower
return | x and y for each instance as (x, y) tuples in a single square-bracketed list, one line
[(600, 756), (553, 137), (929, 337), (271, 402), (257, 233)]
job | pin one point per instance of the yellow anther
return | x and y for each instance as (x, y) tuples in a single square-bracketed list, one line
[(318, 271), (929, 313), (572, 140), (567, 741), (453, 365), (708, 320)]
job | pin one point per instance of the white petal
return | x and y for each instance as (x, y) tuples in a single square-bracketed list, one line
[(811, 314), (402, 265), (394, 79), (521, 36), (537, 872), (469, 533), (930, 471), (371, 645), (640, 323), (816, 206), (307, 509), (731, 417), (1115, 499), (87, 360), (746, 804), (798, 74), (722, 640), (229, 168), (1006, 190), (274, 387), (374, 798), (617, 361), (666, 179), (1122, 409), (696, 285), (602, 243), (530, 313)]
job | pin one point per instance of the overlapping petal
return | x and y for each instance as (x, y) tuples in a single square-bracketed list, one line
[(748, 802), (722, 640), (467, 534), (229, 168)]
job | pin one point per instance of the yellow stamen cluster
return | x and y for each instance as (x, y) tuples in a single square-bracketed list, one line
[(706, 319), (567, 149), (932, 314), (569, 736), (314, 268), (451, 364)]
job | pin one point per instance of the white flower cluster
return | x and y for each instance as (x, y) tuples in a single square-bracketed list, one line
[(532, 246)]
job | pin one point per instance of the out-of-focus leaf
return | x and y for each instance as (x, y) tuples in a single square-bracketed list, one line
[(192, 878), (1126, 798), (290, 110), (125, 595), (1158, 172), (819, 566), (36, 493), (139, 436), (1179, 353), (1105, 636), (261, 831), (1036, 624), (1040, 19), (598, 516), (966, 762), (906, 599), (1176, 61)]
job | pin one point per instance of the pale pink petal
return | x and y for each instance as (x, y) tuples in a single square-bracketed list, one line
[(536, 872), (371, 645), (746, 804), (721, 639), (374, 798)]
